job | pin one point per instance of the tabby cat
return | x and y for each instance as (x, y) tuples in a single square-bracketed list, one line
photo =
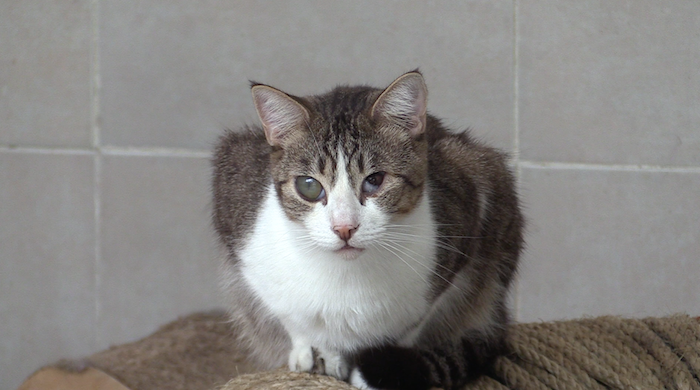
[(364, 240)]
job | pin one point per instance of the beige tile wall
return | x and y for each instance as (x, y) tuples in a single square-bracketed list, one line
[(108, 109)]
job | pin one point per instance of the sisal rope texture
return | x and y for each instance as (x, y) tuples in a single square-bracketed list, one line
[(596, 353)]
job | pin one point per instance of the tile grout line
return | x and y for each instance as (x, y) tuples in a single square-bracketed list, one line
[(516, 162), (96, 139), (607, 167), (154, 152), (47, 150), (96, 77), (516, 84), (516, 129), (98, 242), (109, 150)]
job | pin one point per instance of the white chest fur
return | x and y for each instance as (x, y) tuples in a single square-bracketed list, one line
[(334, 303)]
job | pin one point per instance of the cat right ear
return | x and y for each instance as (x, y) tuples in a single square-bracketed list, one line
[(279, 113)]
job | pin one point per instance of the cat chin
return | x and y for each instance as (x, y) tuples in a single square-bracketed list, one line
[(349, 252)]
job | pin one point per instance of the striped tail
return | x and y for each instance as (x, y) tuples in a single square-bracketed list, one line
[(448, 366)]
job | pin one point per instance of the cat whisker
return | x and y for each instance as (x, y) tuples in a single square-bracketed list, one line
[(401, 248), (422, 224), (398, 242), (301, 242), (438, 242), (398, 256), (437, 234), (419, 237)]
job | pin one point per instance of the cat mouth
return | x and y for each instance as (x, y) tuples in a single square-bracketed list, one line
[(349, 252)]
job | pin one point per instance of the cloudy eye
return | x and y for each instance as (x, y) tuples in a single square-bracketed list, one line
[(372, 183), (309, 188)]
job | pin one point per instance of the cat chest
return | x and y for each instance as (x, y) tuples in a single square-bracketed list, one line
[(343, 304), (339, 309)]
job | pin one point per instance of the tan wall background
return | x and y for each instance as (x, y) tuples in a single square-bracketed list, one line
[(108, 109)]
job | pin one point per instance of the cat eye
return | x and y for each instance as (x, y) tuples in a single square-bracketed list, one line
[(372, 183), (309, 188)]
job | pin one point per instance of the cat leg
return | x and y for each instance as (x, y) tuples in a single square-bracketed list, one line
[(301, 358), (334, 364)]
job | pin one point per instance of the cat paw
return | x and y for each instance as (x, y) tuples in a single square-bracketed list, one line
[(335, 365), (301, 359), (391, 367)]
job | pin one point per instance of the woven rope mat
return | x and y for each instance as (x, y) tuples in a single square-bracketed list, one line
[(597, 353)]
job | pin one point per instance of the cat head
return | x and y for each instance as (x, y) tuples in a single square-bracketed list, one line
[(348, 163)]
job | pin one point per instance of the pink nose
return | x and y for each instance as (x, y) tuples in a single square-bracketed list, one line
[(345, 231)]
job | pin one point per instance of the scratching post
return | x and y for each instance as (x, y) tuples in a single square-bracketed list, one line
[(199, 352), (596, 353)]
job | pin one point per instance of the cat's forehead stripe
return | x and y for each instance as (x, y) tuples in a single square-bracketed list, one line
[(352, 147), (321, 164)]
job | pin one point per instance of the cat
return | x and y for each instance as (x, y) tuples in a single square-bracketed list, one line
[(364, 240)]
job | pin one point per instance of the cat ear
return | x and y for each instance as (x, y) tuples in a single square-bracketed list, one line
[(279, 113), (404, 103)]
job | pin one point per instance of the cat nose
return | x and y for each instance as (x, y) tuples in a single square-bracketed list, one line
[(344, 231)]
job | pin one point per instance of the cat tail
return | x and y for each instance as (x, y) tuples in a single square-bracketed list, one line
[(448, 366)]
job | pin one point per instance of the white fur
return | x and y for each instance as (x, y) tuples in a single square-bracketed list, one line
[(333, 302), (357, 380), (301, 358)]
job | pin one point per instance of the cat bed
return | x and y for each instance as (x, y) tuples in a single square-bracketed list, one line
[(198, 352)]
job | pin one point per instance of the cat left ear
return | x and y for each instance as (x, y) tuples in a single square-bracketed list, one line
[(279, 113), (404, 103)]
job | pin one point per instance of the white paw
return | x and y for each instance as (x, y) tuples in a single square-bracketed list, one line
[(301, 358), (335, 365), (358, 381)]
